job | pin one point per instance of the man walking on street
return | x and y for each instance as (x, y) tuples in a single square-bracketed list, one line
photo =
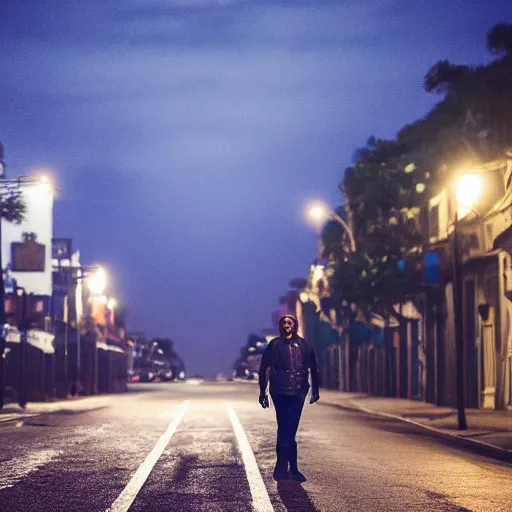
[(286, 363)]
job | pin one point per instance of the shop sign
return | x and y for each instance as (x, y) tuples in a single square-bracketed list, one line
[(28, 256)]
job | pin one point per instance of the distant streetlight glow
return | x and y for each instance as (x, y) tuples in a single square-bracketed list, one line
[(112, 303), (318, 213), (468, 190), (97, 282), (41, 186), (318, 272)]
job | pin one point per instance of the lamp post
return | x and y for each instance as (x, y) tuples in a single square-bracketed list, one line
[(22, 301), (96, 281), (93, 278), (467, 191), (319, 212)]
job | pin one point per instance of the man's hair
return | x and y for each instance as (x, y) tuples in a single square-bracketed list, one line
[(289, 317)]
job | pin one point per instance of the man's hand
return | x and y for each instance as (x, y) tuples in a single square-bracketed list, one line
[(263, 400), (315, 396)]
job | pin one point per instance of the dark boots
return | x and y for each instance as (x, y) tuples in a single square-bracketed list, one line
[(281, 468), (287, 454), (295, 474)]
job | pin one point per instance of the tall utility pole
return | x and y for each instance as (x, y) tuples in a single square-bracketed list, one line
[(458, 321)]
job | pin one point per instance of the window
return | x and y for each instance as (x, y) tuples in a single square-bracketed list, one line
[(433, 221)]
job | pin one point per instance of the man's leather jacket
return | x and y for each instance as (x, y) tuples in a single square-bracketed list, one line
[(286, 364)]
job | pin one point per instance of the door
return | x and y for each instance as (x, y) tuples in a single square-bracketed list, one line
[(488, 362), (471, 344), (488, 336)]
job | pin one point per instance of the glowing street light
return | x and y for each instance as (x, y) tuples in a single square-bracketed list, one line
[(97, 282), (468, 190), (112, 303), (319, 212), (45, 184)]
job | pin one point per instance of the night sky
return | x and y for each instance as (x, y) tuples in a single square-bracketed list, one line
[(186, 136)]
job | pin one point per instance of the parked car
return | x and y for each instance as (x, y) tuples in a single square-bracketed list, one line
[(146, 375), (166, 374)]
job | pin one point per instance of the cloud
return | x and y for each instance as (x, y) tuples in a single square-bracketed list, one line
[(193, 24), (188, 133)]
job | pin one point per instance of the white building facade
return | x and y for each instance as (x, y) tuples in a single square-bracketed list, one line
[(27, 247)]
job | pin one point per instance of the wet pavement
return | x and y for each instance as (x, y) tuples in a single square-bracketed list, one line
[(177, 447)]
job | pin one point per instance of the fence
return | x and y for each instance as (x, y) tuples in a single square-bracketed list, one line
[(391, 368), (39, 366), (30, 366)]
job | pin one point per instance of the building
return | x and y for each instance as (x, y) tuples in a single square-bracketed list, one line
[(27, 252), (485, 237), (27, 276)]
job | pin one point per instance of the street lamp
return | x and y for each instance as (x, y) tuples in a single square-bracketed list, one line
[(97, 282), (468, 189), (319, 213)]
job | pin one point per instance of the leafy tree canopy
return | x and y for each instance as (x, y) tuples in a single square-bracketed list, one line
[(12, 205), (389, 181)]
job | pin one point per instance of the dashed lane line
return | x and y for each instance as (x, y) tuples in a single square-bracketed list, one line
[(260, 498), (127, 497)]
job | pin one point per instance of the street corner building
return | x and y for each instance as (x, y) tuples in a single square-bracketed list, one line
[(60, 338)]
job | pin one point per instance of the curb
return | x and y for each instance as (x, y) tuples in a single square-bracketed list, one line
[(64, 406), (17, 417), (245, 381), (479, 447)]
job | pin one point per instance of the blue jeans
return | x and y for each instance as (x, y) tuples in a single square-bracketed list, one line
[(288, 413)]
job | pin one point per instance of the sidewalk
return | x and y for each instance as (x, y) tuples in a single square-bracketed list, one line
[(489, 432), (13, 412)]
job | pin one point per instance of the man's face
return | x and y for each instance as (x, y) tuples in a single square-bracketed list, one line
[(288, 324)]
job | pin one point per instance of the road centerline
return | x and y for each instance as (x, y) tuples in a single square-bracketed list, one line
[(260, 498), (129, 493)]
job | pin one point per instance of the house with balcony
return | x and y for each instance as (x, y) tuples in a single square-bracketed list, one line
[(483, 215)]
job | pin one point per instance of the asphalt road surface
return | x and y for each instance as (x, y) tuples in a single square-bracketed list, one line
[(210, 447)]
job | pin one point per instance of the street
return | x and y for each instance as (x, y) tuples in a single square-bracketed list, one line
[(210, 447)]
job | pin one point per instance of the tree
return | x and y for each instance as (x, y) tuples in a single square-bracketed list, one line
[(12, 205), (480, 96), (389, 181), (383, 191), (499, 39)]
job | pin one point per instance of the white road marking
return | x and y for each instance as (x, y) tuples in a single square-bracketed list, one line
[(127, 497), (260, 498)]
